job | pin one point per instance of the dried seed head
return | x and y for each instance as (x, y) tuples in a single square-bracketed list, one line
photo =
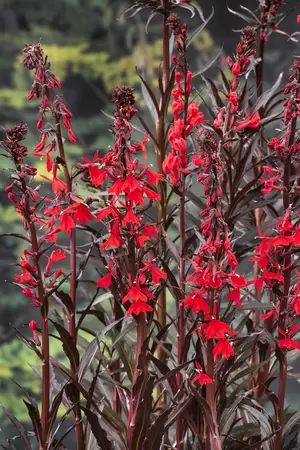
[(295, 72), (33, 56), (123, 96), (18, 133), (248, 37), (206, 140), (173, 23)]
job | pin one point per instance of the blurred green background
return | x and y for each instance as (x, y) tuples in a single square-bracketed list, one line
[(92, 49)]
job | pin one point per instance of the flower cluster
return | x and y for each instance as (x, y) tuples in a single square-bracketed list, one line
[(130, 193), (68, 209), (268, 12), (215, 266), (43, 86), (270, 257), (25, 198), (283, 145), (244, 50), (186, 116)]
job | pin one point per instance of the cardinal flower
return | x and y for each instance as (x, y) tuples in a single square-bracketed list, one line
[(57, 255), (67, 223), (104, 281), (139, 300), (97, 175), (250, 122), (218, 329), (33, 328), (223, 348), (197, 303), (82, 213), (202, 378), (288, 344)]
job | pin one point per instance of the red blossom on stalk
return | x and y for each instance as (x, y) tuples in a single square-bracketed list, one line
[(203, 379), (223, 348), (268, 16), (185, 122), (130, 187), (215, 266), (33, 327), (250, 122)]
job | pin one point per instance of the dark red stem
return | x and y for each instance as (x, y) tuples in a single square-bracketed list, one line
[(141, 334), (80, 438), (286, 290), (43, 444), (161, 151)]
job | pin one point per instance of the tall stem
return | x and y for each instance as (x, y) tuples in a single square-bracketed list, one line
[(286, 289), (80, 438), (161, 152), (254, 378), (141, 334), (45, 341), (44, 324), (260, 69), (282, 316), (180, 310), (211, 390)]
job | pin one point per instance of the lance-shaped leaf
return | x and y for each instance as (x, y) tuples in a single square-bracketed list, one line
[(141, 403), (195, 33), (149, 98), (69, 345), (19, 427), (99, 433)]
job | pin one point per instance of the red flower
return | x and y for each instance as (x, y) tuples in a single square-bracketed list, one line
[(117, 187), (130, 184), (236, 69), (82, 213), (97, 175), (288, 344), (130, 218), (156, 273), (114, 239), (142, 145), (203, 379), (251, 122), (57, 184), (197, 303), (195, 117), (41, 145), (67, 223), (29, 293), (217, 329), (223, 348), (57, 255), (235, 296), (152, 195), (139, 300), (104, 281), (138, 307), (134, 293), (32, 326), (102, 213), (171, 166)]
